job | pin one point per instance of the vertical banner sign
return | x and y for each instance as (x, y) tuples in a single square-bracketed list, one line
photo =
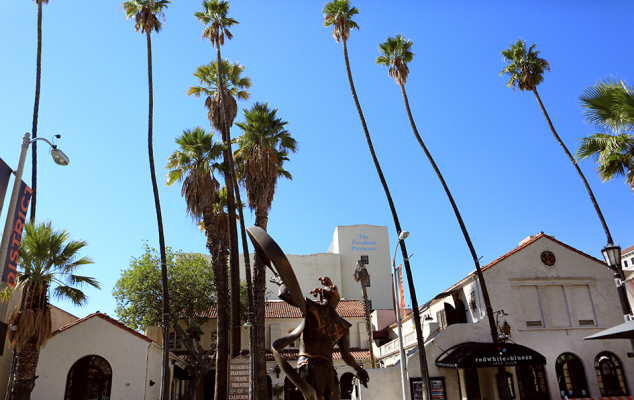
[(11, 263), (401, 292), (239, 379), (5, 174)]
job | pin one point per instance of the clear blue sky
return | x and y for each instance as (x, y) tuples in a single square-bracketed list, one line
[(509, 177)]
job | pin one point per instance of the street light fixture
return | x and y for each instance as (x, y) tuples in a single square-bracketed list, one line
[(612, 255), (60, 159), (402, 236)]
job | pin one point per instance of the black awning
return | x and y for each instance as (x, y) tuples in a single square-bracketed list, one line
[(485, 355)]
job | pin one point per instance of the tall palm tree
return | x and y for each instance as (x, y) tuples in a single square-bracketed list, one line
[(609, 107), (193, 165), (262, 149), (148, 15), (526, 69), (49, 260), (36, 107), (217, 24), (362, 276), (338, 14), (396, 54)]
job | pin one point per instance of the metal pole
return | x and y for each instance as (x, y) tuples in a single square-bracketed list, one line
[(14, 200), (398, 322)]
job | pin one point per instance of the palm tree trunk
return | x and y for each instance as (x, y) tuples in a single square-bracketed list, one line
[(234, 262), (485, 292), (419, 331), (165, 383), (368, 325), (255, 368), (218, 251), (36, 108), (259, 269), (25, 368), (572, 160)]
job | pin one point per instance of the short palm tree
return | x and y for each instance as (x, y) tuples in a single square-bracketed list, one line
[(36, 107), (527, 69), (193, 165), (338, 14), (148, 15), (49, 261), (362, 276), (609, 107), (262, 149)]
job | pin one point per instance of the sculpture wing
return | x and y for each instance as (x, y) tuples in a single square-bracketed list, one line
[(269, 251)]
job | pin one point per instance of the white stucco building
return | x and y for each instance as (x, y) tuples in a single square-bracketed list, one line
[(99, 356), (552, 297)]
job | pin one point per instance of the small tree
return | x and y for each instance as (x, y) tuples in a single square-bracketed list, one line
[(192, 293)]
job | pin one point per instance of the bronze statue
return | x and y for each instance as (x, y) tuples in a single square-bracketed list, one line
[(321, 329)]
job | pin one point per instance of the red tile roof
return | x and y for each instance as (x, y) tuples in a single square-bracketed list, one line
[(280, 309), (106, 318)]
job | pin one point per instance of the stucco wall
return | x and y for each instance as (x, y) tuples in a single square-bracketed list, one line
[(351, 242), (126, 353), (572, 272)]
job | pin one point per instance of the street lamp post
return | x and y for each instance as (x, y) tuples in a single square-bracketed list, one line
[(60, 159), (397, 301), (612, 255)]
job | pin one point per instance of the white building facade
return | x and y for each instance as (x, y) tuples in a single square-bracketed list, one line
[(548, 296)]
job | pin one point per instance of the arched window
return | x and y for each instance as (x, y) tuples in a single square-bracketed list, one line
[(531, 381), (346, 385), (571, 376), (90, 378), (610, 375)]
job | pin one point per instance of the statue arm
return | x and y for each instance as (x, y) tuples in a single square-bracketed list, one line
[(344, 347)]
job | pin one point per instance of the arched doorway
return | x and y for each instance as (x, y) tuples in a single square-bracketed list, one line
[(610, 375), (90, 378), (531, 381), (571, 376), (346, 385)]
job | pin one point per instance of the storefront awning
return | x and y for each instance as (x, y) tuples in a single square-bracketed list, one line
[(622, 331), (485, 355)]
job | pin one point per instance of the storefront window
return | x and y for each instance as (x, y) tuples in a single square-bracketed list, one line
[(571, 376), (610, 375), (531, 382)]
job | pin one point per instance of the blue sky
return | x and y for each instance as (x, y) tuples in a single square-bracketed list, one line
[(508, 176)]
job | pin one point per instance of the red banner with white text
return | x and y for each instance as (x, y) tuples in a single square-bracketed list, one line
[(17, 227)]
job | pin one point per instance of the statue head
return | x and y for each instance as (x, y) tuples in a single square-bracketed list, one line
[(329, 292)]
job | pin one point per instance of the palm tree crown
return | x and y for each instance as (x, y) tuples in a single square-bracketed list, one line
[(263, 148), (47, 260), (339, 13), (396, 54), (236, 86), (193, 165), (525, 67), (215, 13), (609, 106), (147, 13)]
